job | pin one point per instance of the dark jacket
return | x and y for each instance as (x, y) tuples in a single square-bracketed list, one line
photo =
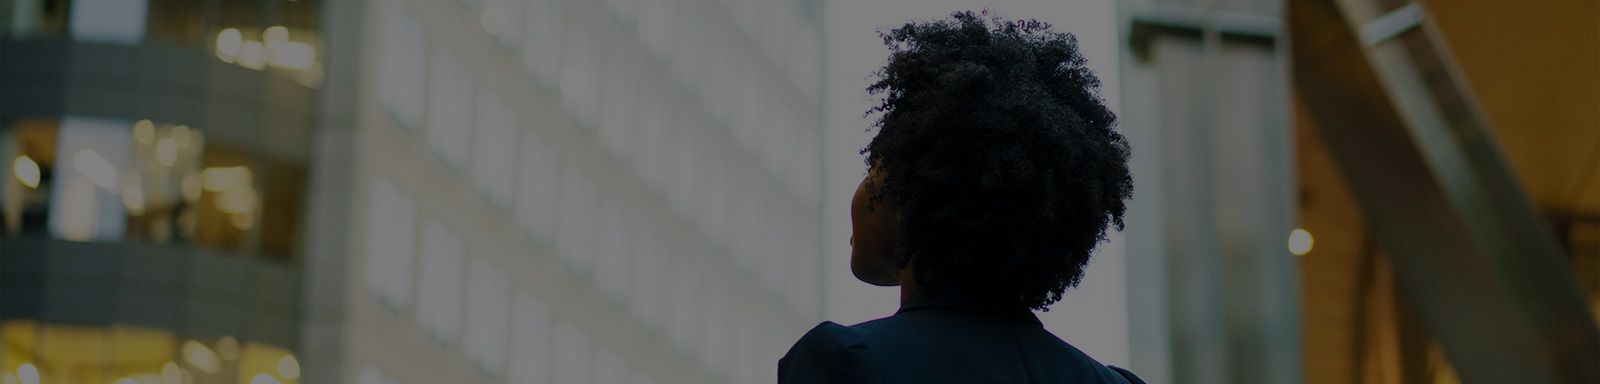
[(943, 338)]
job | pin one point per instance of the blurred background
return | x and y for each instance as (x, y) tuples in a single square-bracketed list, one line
[(656, 191)]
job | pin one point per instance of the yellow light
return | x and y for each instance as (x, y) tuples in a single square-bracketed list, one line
[(275, 34), (167, 152), (229, 41), (96, 168), (237, 201), (144, 131), (181, 136), (1300, 242), (292, 55), (171, 373), (262, 378), (223, 179), (253, 55), (288, 367), (201, 358), (27, 374), (133, 199), (27, 171), (228, 348)]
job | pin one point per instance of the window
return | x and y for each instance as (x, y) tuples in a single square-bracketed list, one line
[(617, 119), (609, 368), (439, 289), (649, 282), (401, 68), (109, 21), (503, 20), (682, 304), (370, 375), (530, 343), (575, 236), (580, 78), (541, 44), (687, 162), (449, 131), (488, 316), (614, 252), (572, 348), (711, 345), (391, 253), (495, 152), (655, 145), (86, 202), (656, 20), (538, 184)]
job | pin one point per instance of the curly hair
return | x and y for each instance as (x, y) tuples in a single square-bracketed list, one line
[(999, 154)]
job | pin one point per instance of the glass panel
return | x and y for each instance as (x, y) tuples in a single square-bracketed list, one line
[(495, 153), (488, 316), (575, 236), (86, 203), (439, 289), (572, 350), (402, 63), (617, 124), (609, 368), (538, 183), (649, 282), (530, 344), (391, 252), (503, 19), (541, 49), (109, 21), (580, 78), (450, 110), (615, 252)]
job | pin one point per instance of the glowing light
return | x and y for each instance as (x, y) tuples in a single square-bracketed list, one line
[(167, 152), (228, 348), (28, 374), (229, 42), (275, 34), (1300, 242), (126, 381), (96, 168), (144, 131), (288, 367), (262, 378), (27, 171), (133, 199), (292, 55), (182, 136), (171, 373), (243, 220), (201, 358), (253, 55), (191, 187), (8, 378), (223, 179), (237, 201)]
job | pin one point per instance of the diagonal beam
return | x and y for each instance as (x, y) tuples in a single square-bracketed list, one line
[(1470, 252)]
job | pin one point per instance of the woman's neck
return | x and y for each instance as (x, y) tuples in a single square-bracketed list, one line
[(908, 284)]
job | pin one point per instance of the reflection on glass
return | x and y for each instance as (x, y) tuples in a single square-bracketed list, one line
[(86, 204), (42, 353)]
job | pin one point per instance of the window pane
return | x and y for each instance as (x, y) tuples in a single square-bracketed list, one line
[(530, 343), (655, 147), (109, 21), (391, 232), (609, 368), (91, 156), (450, 110), (495, 152), (541, 44), (439, 291), (503, 20), (572, 349), (649, 282), (580, 78), (617, 124), (538, 184), (575, 236), (488, 315), (402, 59), (615, 252)]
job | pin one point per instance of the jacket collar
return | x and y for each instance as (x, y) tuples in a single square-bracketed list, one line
[(952, 298)]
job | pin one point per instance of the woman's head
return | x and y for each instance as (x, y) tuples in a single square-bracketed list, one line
[(996, 166)]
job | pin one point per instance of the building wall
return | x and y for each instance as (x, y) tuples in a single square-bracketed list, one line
[(568, 191)]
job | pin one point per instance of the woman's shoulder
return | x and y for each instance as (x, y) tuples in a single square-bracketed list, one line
[(828, 353)]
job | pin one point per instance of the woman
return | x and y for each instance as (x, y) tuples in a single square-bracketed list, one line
[(995, 172)]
